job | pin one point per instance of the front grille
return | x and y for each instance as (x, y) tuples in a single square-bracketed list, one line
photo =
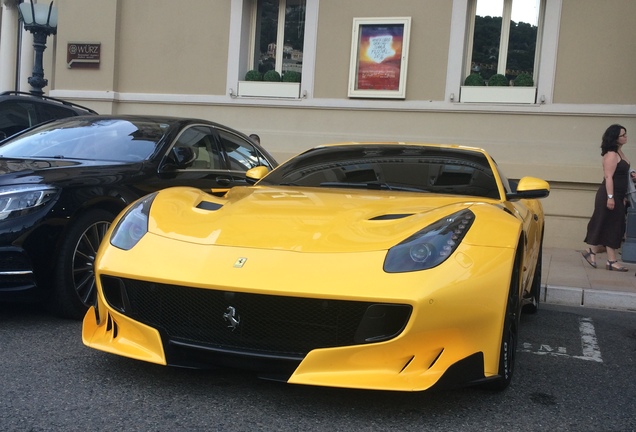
[(268, 325)]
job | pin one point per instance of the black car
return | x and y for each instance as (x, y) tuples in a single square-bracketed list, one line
[(63, 183), (20, 111)]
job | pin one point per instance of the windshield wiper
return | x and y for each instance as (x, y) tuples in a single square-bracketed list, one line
[(371, 185)]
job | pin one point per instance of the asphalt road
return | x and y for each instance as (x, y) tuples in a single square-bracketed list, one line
[(576, 371)]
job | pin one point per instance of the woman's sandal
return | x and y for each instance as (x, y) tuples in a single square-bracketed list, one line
[(587, 254), (610, 266)]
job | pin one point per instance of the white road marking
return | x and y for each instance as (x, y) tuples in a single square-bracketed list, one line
[(589, 345)]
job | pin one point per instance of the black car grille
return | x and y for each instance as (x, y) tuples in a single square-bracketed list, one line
[(268, 325)]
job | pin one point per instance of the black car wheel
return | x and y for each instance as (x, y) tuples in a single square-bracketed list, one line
[(509, 337), (74, 285)]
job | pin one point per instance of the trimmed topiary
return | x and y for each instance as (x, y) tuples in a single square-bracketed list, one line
[(498, 80), (474, 79), (253, 75), (291, 76), (524, 80), (271, 75)]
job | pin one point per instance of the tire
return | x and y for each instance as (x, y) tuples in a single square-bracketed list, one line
[(510, 334), (535, 291), (74, 288)]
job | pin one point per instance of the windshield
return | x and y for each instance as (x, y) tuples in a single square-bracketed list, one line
[(93, 139), (390, 167)]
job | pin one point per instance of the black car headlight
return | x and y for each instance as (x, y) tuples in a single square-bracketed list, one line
[(133, 225), (430, 246), (23, 199)]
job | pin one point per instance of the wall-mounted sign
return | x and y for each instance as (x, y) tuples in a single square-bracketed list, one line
[(83, 55), (379, 54)]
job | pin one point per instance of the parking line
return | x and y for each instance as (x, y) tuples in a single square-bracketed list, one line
[(591, 351)]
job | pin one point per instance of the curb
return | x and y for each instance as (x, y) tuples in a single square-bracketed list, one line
[(588, 298)]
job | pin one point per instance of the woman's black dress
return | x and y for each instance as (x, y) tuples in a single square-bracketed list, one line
[(607, 227)]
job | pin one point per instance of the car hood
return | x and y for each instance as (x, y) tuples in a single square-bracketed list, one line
[(58, 171), (298, 219)]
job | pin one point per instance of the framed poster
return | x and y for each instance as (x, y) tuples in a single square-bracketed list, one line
[(379, 54)]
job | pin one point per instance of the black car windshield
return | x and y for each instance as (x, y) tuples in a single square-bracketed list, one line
[(93, 139), (390, 167)]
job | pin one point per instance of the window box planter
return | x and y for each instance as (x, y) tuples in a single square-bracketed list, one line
[(290, 90), (521, 95)]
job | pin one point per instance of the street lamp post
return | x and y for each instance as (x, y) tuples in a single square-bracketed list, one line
[(41, 20)]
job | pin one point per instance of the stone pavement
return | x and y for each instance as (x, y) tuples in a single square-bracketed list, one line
[(568, 279)]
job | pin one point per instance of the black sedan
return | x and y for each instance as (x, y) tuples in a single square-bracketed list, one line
[(62, 184)]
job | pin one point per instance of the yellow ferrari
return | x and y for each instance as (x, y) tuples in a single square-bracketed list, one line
[(392, 266)]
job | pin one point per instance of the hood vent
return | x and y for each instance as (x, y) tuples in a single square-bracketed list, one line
[(392, 216), (207, 205)]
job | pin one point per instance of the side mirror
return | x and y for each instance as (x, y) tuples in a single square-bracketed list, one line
[(255, 174), (530, 188)]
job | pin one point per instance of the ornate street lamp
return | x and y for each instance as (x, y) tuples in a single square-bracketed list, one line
[(41, 20)]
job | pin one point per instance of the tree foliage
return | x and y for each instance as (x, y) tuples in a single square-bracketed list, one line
[(521, 47)]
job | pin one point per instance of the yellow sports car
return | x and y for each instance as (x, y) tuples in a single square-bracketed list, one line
[(392, 266)]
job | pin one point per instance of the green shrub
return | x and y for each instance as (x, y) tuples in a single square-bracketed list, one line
[(291, 76), (271, 75), (474, 79), (498, 80), (253, 75), (524, 80)]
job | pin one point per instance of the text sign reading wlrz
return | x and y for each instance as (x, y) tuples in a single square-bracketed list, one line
[(83, 55)]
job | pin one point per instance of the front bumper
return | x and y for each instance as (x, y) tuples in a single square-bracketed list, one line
[(454, 327)]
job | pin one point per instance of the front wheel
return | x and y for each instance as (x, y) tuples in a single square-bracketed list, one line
[(74, 288)]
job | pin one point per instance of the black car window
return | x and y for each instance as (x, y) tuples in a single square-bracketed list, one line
[(241, 154), (16, 116), (406, 168), (53, 112), (91, 139), (199, 142)]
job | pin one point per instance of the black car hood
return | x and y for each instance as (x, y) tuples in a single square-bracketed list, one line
[(63, 171)]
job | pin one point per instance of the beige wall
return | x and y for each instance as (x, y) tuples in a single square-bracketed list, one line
[(596, 61), (88, 21), (173, 46), (161, 46)]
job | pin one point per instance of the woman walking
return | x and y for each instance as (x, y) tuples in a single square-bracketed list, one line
[(606, 227)]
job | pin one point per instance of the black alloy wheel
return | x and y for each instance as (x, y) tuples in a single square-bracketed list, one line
[(75, 287)]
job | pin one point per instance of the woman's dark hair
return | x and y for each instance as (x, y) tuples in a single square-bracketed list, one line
[(610, 138)]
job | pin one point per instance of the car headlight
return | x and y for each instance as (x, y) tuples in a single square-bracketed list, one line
[(430, 246), (133, 225), (23, 199)]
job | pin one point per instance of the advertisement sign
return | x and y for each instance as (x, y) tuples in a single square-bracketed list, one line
[(379, 57)]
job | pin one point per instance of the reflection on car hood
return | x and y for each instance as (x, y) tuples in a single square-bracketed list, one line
[(20, 171), (298, 219)]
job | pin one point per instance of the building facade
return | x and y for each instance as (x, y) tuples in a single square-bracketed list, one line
[(362, 70)]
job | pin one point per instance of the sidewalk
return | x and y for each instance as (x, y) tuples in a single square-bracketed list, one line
[(568, 279)]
